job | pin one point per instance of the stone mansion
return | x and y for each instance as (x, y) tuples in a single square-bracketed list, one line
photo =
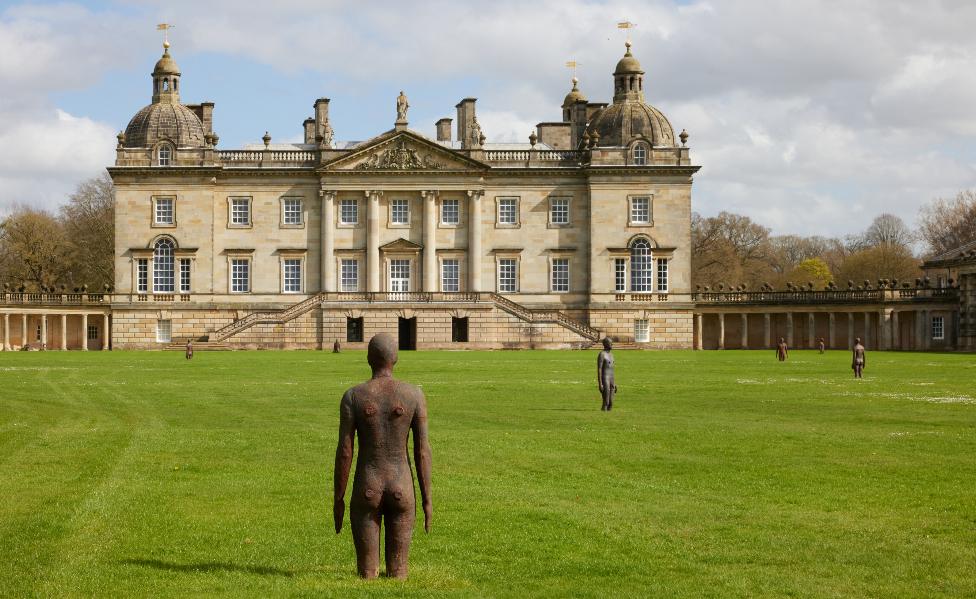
[(581, 232)]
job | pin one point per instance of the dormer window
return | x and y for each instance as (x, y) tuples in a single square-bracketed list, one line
[(164, 155), (640, 155)]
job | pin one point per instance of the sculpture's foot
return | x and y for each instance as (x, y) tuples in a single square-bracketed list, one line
[(369, 574), (398, 574)]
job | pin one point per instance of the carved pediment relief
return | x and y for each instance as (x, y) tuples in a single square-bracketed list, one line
[(403, 151), (399, 158)]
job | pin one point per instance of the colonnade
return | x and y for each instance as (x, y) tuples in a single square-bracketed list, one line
[(879, 328), (45, 342), (330, 281)]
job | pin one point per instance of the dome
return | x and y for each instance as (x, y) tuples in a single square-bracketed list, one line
[(628, 64), (574, 96), (618, 124), (166, 65), (156, 122)]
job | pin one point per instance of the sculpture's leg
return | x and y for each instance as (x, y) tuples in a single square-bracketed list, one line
[(366, 535), (610, 393), (399, 529)]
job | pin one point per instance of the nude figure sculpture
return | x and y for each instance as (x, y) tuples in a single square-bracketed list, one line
[(604, 375), (782, 351), (381, 412), (857, 359)]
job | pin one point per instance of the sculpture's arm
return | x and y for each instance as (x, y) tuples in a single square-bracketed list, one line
[(343, 458), (600, 364), (421, 457)]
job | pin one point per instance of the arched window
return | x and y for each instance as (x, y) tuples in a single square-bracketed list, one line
[(641, 266), (165, 85), (165, 154), (163, 279), (640, 155)]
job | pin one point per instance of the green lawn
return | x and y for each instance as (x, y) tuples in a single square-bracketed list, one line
[(722, 474)]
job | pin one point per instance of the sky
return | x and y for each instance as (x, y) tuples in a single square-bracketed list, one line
[(809, 117)]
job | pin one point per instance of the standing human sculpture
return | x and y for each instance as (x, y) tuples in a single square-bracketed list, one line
[(402, 105), (821, 344), (857, 359), (782, 350), (604, 375), (381, 412)]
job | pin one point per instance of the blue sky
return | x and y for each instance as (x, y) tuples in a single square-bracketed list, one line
[(810, 117)]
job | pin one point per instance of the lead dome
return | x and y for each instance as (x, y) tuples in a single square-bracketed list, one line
[(165, 119)]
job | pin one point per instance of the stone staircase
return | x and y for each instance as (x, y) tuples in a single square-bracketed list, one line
[(215, 339)]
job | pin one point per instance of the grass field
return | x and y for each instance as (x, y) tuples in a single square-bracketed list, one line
[(721, 474)]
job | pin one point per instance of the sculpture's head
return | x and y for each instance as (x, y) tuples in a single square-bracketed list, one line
[(781, 340), (857, 340), (382, 352), (607, 345)]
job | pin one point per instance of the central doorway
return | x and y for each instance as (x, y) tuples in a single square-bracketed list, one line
[(408, 333)]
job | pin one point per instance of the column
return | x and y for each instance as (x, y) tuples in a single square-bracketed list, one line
[(831, 322), (105, 333), (474, 240), (766, 329), (84, 332), (699, 321), (850, 330), (884, 329), (895, 331), (43, 331), (867, 328), (925, 328), (373, 240), (789, 329), (811, 330), (23, 330), (721, 330), (6, 332), (745, 331), (64, 332), (327, 235), (430, 241)]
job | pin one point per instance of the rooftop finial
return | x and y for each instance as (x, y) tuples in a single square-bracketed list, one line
[(165, 27), (627, 25)]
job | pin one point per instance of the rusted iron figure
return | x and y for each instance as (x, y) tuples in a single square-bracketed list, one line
[(335, 347), (857, 359), (782, 351), (189, 349), (604, 375), (382, 412), (821, 344)]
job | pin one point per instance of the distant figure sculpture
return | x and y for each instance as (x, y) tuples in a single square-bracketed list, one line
[(857, 359), (821, 344), (335, 347), (604, 375), (189, 349), (782, 351), (382, 412), (402, 106)]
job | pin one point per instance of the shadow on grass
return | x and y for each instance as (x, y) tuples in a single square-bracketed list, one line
[(208, 567)]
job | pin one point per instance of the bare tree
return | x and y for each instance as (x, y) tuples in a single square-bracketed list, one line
[(728, 248), (33, 249), (947, 224), (89, 224), (884, 230)]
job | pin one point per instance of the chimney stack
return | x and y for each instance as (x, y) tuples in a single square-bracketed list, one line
[(309, 126), (443, 129), (321, 116), (465, 118)]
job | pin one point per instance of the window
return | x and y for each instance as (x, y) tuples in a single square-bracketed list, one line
[(559, 211), (349, 275), (354, 330), (450, 212), (165, 154), (142, 275), (508, 211), (292, 208), (640, 155), (92, 332), (164, 331), (450, 275), (240, 211), (399, 275), (184, 275), (399, 212), (640, 266), (662, 275), (163, 279), (39, 333), (938, 328), (240, 275), (459, 330), (642, 332), (164, 211), (507, 275), (348, 212), (560, 275), (292, 275), (640, 210), (620, 275)]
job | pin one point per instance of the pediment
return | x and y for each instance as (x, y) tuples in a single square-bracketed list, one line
[(403, 151), (401, 245)]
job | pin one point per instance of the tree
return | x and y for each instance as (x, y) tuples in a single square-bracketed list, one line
[(946, 224), (879, 262), (812, 270), (728, 248), (89, 225), (884, 230), (33, 249)]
